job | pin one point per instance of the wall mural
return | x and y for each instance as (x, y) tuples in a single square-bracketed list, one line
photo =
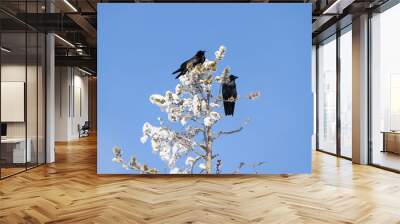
[(238, 100)]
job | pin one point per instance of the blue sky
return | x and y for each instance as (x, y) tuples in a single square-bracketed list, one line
[(268, 47)]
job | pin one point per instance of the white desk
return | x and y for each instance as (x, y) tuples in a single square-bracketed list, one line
[(19, 149)]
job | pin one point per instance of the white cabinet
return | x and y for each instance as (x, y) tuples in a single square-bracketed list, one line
[(18, 149)]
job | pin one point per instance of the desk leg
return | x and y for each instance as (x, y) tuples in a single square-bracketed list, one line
[(384, 142)]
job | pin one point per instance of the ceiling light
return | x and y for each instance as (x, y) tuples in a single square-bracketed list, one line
[(338, 6), (65, 41), (79, 51), (84, 71), (5, 50), (70, 5)]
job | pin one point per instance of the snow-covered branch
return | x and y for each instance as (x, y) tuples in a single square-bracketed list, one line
[(218, 134), (250, 96), (132, 164), (193, 104), (251, 165)]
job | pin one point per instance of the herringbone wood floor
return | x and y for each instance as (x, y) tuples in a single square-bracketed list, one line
[(70, 191)]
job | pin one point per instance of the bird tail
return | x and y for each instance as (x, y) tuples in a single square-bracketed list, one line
[(176, 71), (229, 108)]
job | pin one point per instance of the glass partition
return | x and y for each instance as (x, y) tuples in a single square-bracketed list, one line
[(327, 95), (13, 109), (346, 92), (32, 95), (385, 89), (22, 77)]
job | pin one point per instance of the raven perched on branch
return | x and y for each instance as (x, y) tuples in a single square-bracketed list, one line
[(229, 95), (199, 58)]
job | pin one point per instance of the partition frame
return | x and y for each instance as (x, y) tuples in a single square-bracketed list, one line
[(382, 8), (44, 95), (337, 153)]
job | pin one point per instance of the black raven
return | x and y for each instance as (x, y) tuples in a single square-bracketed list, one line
[(199, 58), (229, 95)]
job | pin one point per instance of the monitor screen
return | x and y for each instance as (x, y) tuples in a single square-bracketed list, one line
[(3, 129)]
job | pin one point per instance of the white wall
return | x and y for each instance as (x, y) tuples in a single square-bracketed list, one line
[(71, 102), (80, 104), (62, 82)]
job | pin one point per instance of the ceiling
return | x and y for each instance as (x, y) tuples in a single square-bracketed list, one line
[(75, 22)]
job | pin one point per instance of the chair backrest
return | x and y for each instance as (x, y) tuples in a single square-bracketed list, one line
[(86, 124)]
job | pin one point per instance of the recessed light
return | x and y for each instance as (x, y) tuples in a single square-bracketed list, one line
[(5, 50), (84, 71), (64, 40), (337, 7), (70, 5)]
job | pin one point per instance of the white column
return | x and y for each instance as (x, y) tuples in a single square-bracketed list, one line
[(50, 92), (360, 90), (50, 99)]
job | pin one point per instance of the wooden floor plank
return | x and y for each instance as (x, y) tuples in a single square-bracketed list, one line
[(70, 191)]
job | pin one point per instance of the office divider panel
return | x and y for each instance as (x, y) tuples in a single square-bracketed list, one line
[(15, 151), (22, 92)]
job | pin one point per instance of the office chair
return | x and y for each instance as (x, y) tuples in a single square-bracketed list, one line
[(84, 130)]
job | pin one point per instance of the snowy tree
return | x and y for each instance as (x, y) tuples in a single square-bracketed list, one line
[(193, 104)]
